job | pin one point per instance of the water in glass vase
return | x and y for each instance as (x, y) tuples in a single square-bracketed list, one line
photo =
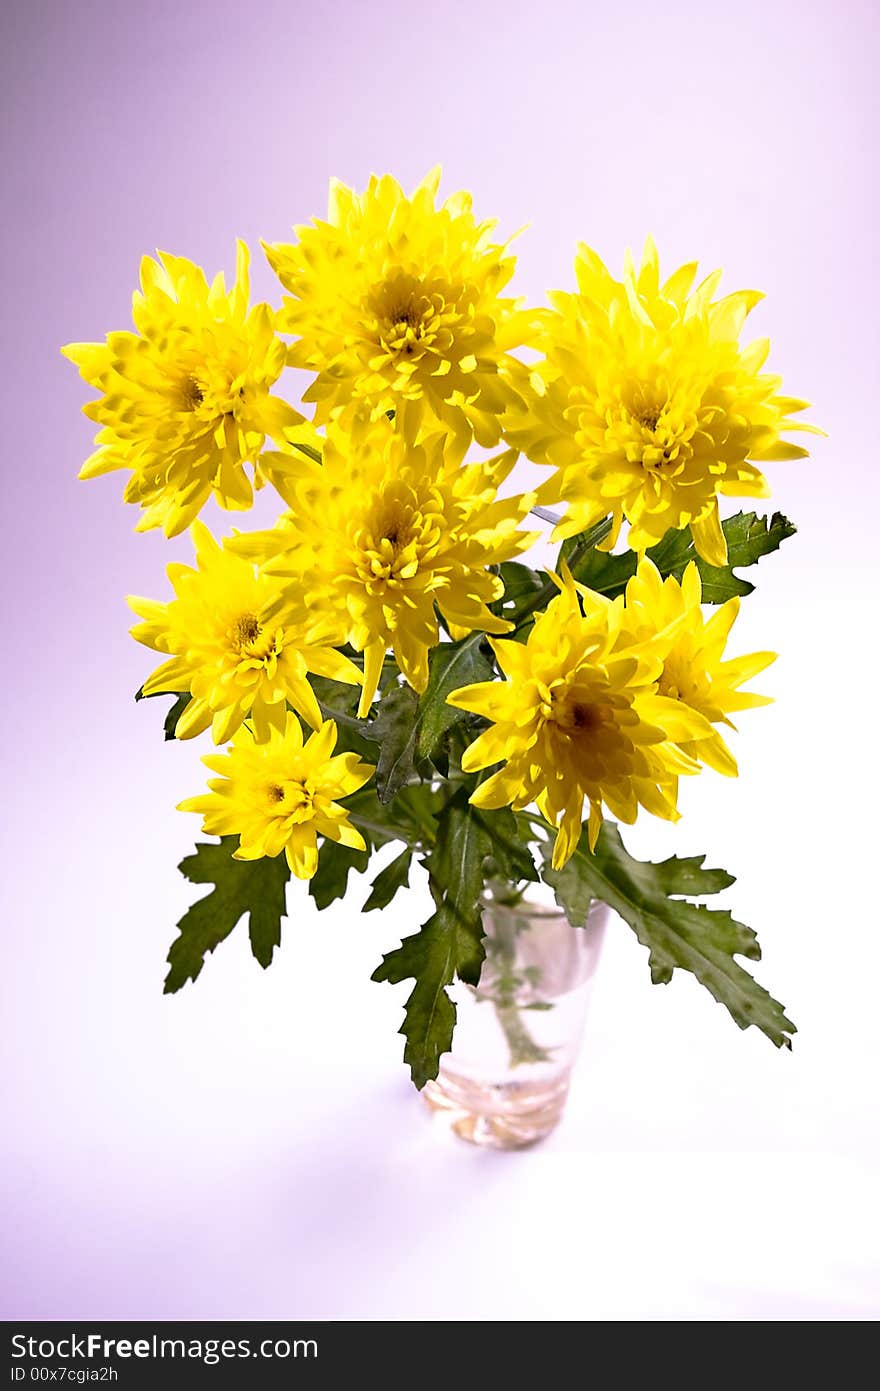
[(517, 1035)]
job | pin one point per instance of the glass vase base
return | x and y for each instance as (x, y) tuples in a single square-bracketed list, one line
[(502, 1115)]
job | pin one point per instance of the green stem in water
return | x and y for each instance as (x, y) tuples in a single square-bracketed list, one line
[(521, 1046)]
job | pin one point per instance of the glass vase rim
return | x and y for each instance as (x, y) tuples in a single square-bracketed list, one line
[(529, 907)]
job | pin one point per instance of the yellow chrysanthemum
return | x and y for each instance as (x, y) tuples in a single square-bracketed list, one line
[(381, 532), (397, 304), (186, 399), (282, 794), (578, 718), (647, 406), (230, 647), (694, 671)]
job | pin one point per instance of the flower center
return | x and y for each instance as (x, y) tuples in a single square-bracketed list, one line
[(680, 680), (247, 630), (649, 416), (254, 641), (647, 426), (406, 314), (398, 530), (407, 329), (192, 393), (294, 798), (399, 536), (585, 716), (575, 714)]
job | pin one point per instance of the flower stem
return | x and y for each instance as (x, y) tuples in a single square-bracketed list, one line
[(384, 830), (339, 717), (520, 1044), (587, 542), (546, 515)]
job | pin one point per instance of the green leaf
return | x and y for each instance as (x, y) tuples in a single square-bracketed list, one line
[(410, 729), (255, 887), (307, 449), (419, 806), (693, 937), (175, 713), (511, 859), (448, 945), (410, 817), (603, 571), (538, 595), (572, 887), (749, 537), (338, 701), (573, 547), (452, 664), (176, 709), (386, 883), (394, 728), (330, 879), (520, 585)]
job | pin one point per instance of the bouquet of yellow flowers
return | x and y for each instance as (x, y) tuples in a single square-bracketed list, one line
[(381, 666)]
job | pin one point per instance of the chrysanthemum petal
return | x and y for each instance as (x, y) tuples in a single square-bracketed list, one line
[(397, 304), (280, 794), (185, 402), (646, 407), (709, 539)]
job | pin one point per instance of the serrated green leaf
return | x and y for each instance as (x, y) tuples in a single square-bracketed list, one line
[(452, 664), (677, 933), (511, 859), (449, 944), (408, 728), (387, 882), (418, 806), (338, 702), (410, 817), (749, 537), (572, 889), (395, 730), (674, 877), (330, 879), (253, 887)]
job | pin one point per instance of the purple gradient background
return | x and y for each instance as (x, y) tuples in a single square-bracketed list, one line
[(234, 1152)]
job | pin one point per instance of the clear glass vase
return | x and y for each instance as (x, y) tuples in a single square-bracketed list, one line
[(517, 1035)]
